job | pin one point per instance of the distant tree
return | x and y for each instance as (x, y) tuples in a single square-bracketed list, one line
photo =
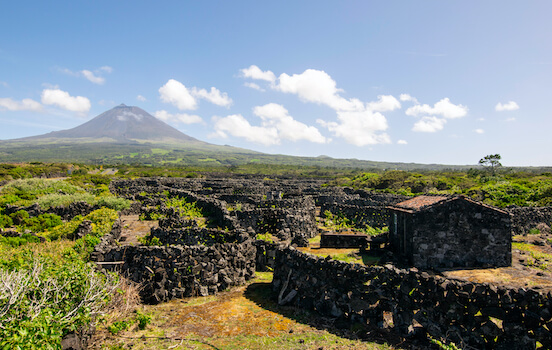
[(491, 162)]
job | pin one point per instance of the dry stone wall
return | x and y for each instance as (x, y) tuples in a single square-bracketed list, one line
[(526, 218), (410, 302), (177, 271)]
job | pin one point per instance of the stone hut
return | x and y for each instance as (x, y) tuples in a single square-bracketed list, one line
[(450, 231)]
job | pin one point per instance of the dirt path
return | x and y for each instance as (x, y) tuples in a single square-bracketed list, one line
[(133, 229)]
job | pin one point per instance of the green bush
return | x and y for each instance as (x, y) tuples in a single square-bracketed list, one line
[(59, 200), (49, 298), (19, 217), (19, 241), (112, 202), (42, 222), (5, 221)]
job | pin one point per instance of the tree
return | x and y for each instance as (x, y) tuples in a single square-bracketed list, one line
[(491, 162)]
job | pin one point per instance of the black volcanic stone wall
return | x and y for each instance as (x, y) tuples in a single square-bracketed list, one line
[(328, 240), (527, 218), (286, 219), (410, 302), (177, 271), (364, 208)]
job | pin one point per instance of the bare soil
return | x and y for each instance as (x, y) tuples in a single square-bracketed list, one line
[(531, 266), (133, 228)]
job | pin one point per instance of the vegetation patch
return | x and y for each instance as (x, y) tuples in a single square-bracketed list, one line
[(241, 318)]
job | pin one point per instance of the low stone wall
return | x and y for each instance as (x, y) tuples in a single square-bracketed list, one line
[(526, 218), (65, 212), (411, 302), (168, 272), (340, 240), (288, 219), (361, 216), (266, 255)]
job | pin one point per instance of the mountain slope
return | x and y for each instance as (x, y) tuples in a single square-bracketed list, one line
[(121, 124)]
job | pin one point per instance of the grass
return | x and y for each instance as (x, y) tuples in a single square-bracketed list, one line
[(241, 318), (539, 258)]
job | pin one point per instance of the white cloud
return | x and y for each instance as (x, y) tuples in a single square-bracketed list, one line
[(178, 118), (256, 73), (65, 101), (511, 119), (175, 93), (508, 106), (429, 124), (214, 96), (442, 108), (253, 86), (236, 125), (275, 115), (106, 69), (408, 98), (141, 98), (26, 104), (479, 131), (127, 115), (383, 104), (4, 84), (92, 78), (359, 128), (276, 125), (357, 122), (318, 87), (402, 142)]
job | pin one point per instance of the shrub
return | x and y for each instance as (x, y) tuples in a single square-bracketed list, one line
[(42, 222), (19, 217), (149, 241), (19, 241), (112, 202), (5, 221), (48, 298)]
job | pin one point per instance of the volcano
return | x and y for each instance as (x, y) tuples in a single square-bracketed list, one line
[(122, 124)]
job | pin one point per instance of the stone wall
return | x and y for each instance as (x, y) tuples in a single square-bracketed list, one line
[(288, 219), (168, 272), (362, 207), (411, 302), (526, 218), (329, 240)]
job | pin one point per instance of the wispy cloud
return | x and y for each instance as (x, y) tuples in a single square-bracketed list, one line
[(92, 76), (182, 118), (508, 106), (416, 53)]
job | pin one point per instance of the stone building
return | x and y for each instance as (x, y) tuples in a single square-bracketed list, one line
[(445, 231)]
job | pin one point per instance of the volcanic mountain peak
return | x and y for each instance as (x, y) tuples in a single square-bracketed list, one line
[(122, 124)]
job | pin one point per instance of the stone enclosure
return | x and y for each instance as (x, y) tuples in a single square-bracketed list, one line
[(191, 259)]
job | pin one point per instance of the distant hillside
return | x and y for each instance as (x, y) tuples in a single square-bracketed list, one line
[(130, 135)]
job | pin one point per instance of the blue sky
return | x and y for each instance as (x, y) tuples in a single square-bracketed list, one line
[(404, 81)]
